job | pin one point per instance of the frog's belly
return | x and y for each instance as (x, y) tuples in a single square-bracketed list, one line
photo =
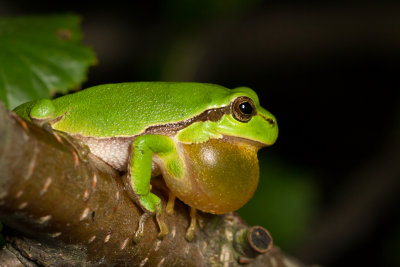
[(114, 151)]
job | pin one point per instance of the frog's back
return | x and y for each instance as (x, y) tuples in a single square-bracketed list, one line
[(127, 109)]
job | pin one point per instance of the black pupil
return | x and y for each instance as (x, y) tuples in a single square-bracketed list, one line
[(246, 108)]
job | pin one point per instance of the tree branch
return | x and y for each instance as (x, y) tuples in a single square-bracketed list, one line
[(62, 206)]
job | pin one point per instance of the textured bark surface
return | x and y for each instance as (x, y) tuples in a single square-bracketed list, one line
[(61, 206)]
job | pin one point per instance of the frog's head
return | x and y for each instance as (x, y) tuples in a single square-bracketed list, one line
[(237, 114), (245, 118), (220, 152)]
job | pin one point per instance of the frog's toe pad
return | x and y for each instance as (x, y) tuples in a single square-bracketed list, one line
[(189, 234)]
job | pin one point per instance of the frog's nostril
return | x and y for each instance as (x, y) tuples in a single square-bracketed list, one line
[(270, 121)]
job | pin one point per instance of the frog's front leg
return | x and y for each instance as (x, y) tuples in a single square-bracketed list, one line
[(139, 175)]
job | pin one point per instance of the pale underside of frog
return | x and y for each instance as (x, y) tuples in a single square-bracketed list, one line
[(202, 138)]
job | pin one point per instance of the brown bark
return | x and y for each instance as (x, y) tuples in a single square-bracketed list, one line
[(61, 206)]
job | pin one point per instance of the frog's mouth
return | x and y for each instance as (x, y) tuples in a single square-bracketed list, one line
[(253, 143)]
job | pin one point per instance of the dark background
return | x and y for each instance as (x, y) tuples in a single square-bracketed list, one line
[(328, 70)]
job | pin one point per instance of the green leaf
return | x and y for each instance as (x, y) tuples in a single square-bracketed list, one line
[(41, 55)]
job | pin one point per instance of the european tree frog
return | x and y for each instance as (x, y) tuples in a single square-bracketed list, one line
[(202, 138)]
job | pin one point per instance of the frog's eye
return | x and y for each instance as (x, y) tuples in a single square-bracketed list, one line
[(243, 108)]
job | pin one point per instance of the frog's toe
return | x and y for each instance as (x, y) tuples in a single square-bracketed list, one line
[(160, 221), (192, 227), (137, 237), (140, 231), (189, 234), (163, 229)]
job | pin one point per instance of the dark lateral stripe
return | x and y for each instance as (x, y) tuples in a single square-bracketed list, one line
[(214, 114)]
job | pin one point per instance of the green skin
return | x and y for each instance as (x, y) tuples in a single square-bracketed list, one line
[(155, 117)]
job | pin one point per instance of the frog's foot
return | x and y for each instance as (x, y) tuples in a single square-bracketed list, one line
[(152, 206), (192, 227), (171, 203), (140, 231)]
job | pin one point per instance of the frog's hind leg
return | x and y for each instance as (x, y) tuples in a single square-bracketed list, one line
[(42, 112), (142, 220)]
